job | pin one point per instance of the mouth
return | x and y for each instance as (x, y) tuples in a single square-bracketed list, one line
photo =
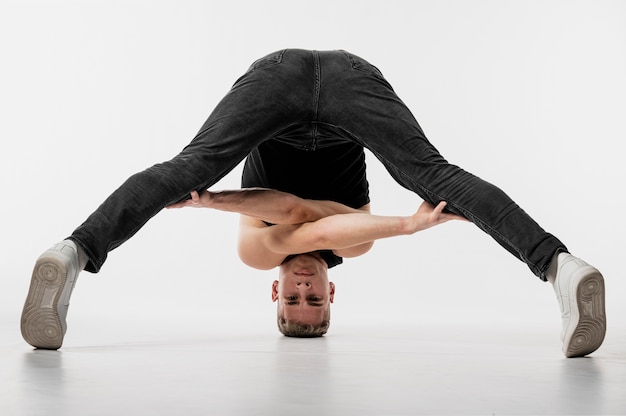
[(303, 272)]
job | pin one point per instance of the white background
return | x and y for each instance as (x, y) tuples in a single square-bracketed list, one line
[(529, 95)]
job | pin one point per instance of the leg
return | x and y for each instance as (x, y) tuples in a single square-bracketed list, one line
[(265, 99), (260, 102), (375, 117)]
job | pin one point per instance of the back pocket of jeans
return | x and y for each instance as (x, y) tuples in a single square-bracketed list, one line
[(362, 65), (273, 58)]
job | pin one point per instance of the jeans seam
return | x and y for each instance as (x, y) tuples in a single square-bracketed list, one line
[(316, 97), (316, 84), (474, 218)]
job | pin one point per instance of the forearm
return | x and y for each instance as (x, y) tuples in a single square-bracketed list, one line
[(273, 206), (349, 230), (335, 232), (342, 231), (266, 204)]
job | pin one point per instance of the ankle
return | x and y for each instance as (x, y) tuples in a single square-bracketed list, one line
[(554, 266), (82, 256)]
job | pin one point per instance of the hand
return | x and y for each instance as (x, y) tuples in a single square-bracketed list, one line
[(428, 216), (197, 201)]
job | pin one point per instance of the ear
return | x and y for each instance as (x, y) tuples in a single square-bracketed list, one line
[(332, 292), (274, 290)]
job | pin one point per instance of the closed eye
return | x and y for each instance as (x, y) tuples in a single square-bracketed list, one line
[(312, 300)]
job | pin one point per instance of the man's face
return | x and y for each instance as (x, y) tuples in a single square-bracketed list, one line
[(303, 291)]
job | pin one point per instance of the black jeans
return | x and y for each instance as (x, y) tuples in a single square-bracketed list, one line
[(330, 91)]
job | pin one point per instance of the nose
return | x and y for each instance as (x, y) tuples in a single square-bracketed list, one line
[(306, 285)]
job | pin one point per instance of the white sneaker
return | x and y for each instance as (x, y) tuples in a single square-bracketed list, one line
[(579, 289), (54, 276)]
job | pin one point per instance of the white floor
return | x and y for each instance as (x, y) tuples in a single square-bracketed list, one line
[(352, 371)]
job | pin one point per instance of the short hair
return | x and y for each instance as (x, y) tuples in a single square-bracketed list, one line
[(301, 330)]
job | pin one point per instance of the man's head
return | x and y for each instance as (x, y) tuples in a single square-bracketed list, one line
[(304, 295)]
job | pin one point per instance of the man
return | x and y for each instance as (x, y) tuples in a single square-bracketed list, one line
[(331, 101)]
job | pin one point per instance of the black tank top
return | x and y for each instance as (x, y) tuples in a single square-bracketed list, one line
[(334, 172)]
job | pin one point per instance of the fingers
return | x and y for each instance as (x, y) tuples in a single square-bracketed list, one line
[(436, 214), (447, 216), (442, 217), (194, 201), (439, 208)]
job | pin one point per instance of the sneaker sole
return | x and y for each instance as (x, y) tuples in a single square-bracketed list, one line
[(588, 312), (41, 323)]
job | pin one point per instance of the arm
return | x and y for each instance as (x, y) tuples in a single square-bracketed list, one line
[(346, 231), (267, 204), (343, 231), (283, 209)]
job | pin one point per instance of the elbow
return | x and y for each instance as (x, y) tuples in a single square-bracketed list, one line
[(295, 211)]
